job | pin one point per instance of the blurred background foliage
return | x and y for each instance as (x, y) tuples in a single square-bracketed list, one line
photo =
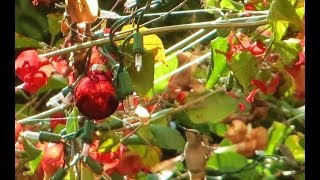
[(32, 21)]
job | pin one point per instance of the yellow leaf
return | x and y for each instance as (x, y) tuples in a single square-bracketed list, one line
[(150, 155), (151, 43)]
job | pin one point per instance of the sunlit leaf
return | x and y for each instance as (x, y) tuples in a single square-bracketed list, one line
[(245, 68), (107, 145), (229, 4), (72, 122), (143, 81), (228, 161), (86, 173), (54, 24), (25, 42), (151, 43), (33, 164), (219, 46), (282, 15), (292, 142), (213, 109), (146, 133), (287, 84), (288, 51), (183, 119), (161, 69), (31, 150), (34, 155), (277, 134), (135, 140), (58, 128), (150, 155), (218, 128), (70, 174)]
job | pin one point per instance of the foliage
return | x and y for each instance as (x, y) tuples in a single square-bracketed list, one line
[(229, 104)]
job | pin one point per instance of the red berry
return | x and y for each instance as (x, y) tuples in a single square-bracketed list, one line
[(95, 96)]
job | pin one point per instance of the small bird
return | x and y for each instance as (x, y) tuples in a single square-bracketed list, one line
[(195, 155)]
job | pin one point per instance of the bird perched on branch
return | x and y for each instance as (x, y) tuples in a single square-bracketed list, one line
[(195, 155)]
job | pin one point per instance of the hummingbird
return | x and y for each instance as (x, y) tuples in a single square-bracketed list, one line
[(195, 155)]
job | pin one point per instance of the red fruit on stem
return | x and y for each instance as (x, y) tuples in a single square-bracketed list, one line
[(95, 96)]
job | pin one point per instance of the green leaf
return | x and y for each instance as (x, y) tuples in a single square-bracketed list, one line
[(218, 128), (287, 84), (288, 51), (150, 155), (134, 140), (161, 69), (245, 68), (219, 46), (228, 161), (108, 145), (54, 23), (146, 133), (143, 81), (86, 173), (25, 42), (34, 155), (31, 151), (277, 134), (292, 142), (211, 4), (213, 109), (183, 119), (229, 4), (72, 123), (55, 82), (58, 128), (116, 176), (167, 138), (70, 174), (282, 15), (33, 164)]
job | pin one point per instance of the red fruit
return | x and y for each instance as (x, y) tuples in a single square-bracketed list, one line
[(95, 96)]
